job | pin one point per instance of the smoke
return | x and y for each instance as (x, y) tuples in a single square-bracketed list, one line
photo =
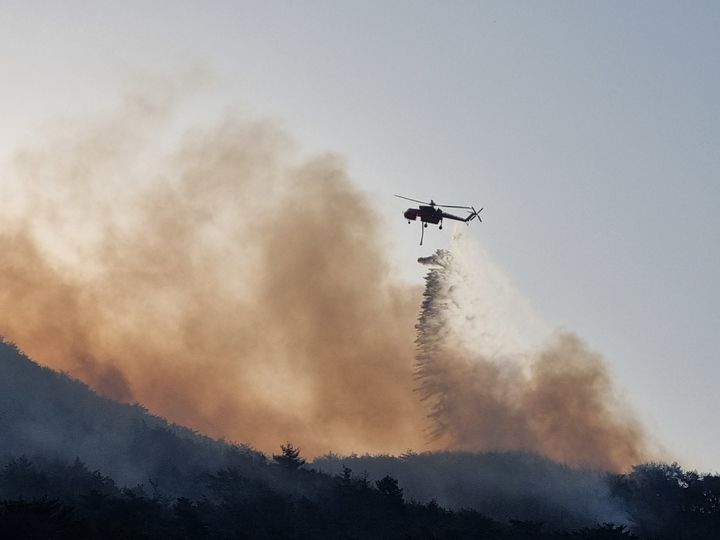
[(227, 283), (490, 388), (232, 285)]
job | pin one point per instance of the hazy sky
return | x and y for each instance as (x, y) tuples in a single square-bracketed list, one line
[(589, 131)]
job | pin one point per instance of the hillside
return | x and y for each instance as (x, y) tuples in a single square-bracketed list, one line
[(48, 415), (76, 465)]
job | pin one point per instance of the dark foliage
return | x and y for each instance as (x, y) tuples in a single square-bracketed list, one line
[(59, 500), (289, 458), (667, 502), (501, 485)]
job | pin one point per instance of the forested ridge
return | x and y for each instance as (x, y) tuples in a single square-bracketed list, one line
[(76, 465)]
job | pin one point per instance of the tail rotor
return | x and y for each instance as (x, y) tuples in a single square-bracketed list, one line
[(474, 214)]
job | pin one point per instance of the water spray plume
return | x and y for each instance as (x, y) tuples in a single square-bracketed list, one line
[(490, 391)]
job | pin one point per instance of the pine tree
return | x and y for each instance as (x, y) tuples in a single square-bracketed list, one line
[(289, 458), (389, 487)]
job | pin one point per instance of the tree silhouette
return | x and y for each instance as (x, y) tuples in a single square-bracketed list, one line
[(346, 476), (388, 486), (38, 518), (606, 531), (289, 458), (21, 478)]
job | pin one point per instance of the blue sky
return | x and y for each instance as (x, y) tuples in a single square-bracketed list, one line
[(590, 131)]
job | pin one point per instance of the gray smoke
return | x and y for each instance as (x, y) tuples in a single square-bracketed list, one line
[(219, 278)]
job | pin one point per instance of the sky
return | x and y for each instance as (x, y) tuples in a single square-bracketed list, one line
[(589, 131)]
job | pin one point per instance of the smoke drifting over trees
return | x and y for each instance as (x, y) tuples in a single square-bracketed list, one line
[(226, 284), (232, 286)]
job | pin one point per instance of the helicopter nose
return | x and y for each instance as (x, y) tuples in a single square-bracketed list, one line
[(410, 214)]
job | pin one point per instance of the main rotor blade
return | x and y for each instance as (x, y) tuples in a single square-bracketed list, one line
[(451, 206), (413, 200)]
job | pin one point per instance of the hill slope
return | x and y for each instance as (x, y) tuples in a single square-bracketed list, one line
[(55, 432), (45, 414)]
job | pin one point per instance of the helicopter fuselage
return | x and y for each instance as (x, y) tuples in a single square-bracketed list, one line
[(431, 214), (427, 214)]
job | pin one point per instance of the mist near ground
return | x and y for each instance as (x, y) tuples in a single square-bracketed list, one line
[(231, 284), (502, 485)]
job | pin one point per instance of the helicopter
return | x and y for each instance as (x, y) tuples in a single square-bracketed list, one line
[(431, 212)]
